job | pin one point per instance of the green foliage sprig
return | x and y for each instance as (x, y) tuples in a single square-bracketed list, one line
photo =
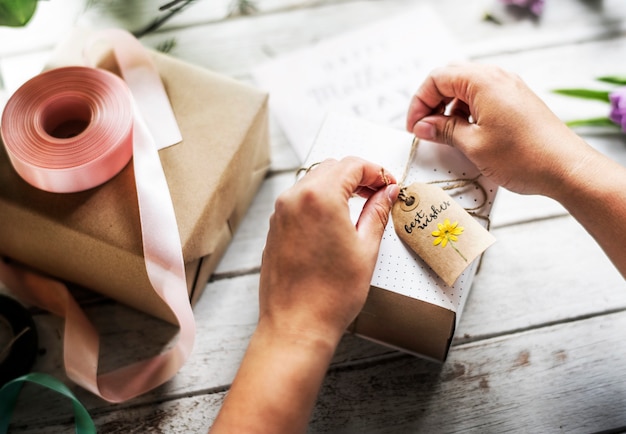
[(16, 13), (597, 95)]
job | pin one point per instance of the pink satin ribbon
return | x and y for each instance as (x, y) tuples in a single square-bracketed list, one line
[(69, 129), (105, 125)]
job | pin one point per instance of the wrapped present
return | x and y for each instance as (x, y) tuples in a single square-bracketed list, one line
[(93, 238), (414, 304)]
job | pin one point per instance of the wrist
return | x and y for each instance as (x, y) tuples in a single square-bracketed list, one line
[(595, 184), (277, 383), (301, 336), (579, 176), (570, 169)]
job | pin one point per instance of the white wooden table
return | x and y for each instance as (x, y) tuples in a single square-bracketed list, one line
[(540, 347)]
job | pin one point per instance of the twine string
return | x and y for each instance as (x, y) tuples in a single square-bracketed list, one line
[(450, 184)]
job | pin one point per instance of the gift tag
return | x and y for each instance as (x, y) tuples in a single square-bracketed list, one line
[(439, 230)]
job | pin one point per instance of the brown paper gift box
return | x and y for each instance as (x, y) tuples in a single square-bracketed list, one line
[(93, 238), (405, 323)]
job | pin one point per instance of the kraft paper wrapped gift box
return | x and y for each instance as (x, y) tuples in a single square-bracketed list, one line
[(93, 238)]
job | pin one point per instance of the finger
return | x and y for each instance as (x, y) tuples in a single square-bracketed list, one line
[(314, 172), (443, 85), (375, 215), (459, 108), (354, 175), (367, 191), (444, 129), (427, 100), (373, 177)]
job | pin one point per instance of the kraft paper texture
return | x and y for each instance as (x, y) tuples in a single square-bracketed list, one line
[(439, 230), (92, 238)]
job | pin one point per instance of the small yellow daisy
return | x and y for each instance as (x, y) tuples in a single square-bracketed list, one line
[(447, 232)]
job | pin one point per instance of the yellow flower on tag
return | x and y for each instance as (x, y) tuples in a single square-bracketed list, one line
[(448, 232)]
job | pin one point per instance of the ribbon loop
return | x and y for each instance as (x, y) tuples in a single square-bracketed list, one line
[(142, 78)]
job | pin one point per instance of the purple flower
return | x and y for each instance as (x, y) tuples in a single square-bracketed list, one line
[(534, 6), (618, 107)]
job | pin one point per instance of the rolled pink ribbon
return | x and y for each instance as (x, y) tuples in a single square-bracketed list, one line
[(71, 129)]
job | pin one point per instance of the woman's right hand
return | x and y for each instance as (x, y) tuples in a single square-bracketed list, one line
[(500, 125)]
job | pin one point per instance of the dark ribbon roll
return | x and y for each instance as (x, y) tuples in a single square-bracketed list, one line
[(19, 355)]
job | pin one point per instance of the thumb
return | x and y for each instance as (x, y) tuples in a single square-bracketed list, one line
[(449, 130), (375, 215)]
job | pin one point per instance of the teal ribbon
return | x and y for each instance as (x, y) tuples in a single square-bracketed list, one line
[(11, 390)]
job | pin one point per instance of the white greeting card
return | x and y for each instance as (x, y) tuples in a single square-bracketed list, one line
[(370, 73)]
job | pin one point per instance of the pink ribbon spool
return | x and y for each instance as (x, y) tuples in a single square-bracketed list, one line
[(69, 129)]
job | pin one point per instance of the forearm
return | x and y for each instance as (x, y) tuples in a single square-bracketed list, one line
[(277, 384), (315, 274), (595, 195)]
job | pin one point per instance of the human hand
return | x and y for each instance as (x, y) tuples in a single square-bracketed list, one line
[(512, 136), (317, 265), (315, 276)]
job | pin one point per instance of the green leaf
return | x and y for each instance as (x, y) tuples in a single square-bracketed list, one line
[(613, 79), (16, 13), (600, 95), (592, 122)]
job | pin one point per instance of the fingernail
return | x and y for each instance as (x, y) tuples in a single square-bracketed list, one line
[(392, 192), (424, 130)]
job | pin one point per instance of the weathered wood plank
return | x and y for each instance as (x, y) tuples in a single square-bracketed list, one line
[(574, 65), (245, 251), (232, 46), (539, 273), (53, 19), (505, 298), (193, 414), (567, 378), (226, 316), (563, 21)]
